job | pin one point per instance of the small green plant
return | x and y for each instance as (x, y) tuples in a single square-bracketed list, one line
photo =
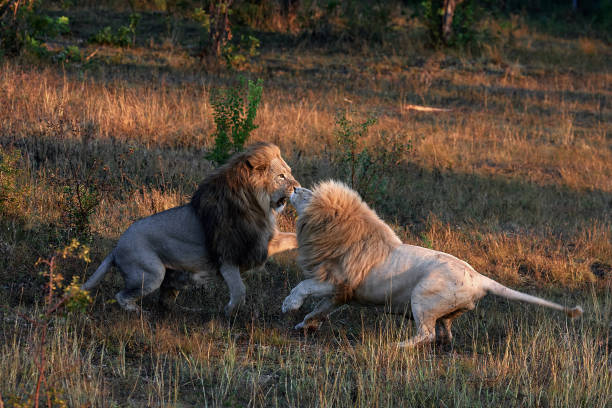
[(81, 197), (42, 26), (203, 19), (104, 36), (234, 114), (366, 168), (71, 53), (426, 241), (124, 36), (237, 54), (80, 201)]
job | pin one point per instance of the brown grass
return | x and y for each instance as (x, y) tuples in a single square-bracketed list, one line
[(516, 179)]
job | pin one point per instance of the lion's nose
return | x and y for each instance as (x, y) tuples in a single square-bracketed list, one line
[(296, 190)]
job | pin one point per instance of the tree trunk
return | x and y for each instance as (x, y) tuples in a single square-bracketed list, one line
[(220, 29), (289, 12), (447, 20)]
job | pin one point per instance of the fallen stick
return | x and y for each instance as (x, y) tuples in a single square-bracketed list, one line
[(420, 108)]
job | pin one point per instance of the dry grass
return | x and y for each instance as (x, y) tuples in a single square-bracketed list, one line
[(518, 357), (516, 180)]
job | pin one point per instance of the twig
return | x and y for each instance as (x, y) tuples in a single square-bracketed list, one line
[(420, 108), (86, 60)]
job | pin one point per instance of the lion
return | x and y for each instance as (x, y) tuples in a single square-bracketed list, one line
[(228, 226), (350, 254)]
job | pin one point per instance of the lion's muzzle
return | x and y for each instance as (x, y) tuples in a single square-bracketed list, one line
[(300, 198), (281, 201), (290, 190)]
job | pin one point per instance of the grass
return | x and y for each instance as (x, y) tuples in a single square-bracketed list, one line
[(516, 180)]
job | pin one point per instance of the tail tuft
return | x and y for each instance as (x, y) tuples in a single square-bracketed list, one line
[(575, 312)]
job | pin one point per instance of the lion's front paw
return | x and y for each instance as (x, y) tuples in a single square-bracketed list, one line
[(291, 303), (234, 304), (230, 310)]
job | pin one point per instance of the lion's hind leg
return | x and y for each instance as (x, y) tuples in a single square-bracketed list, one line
[(425, 323), (174, 281), (140, 279), (428, 305), (313, 319), (443, 326)]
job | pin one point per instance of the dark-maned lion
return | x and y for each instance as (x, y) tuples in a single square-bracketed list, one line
[(229, 226), (350, 254)]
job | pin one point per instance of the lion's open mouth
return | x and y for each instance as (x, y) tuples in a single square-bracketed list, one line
[(281, 201)]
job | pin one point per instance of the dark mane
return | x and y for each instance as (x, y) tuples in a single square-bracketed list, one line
[(236, 227)]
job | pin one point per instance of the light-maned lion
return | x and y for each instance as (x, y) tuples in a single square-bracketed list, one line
[(229, 226), (350, 254)]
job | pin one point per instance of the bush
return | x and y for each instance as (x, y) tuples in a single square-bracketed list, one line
[(80, 202), (71, 53), (237, 54), (123, 37), (234, 112), (22, 26), (81, 196), (366, 168)]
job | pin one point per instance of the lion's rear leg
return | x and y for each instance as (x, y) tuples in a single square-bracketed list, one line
[(425, 311), (320, 312), (174, 281), (426, 328), (443, 330), (140, 280), (443, 326)]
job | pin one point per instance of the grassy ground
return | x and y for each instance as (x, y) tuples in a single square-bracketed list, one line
[(516, 179)]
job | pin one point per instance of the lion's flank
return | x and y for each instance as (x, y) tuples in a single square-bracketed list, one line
[(232, 207), (340, 238)]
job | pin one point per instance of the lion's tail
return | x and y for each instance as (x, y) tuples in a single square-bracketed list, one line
[(93, 281), (500, 290)]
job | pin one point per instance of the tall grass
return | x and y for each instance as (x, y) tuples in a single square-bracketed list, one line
[(517, 356)]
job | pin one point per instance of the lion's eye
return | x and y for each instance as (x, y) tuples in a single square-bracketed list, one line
[(281, 176)]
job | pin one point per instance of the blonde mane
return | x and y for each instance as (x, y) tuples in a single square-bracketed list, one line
[(340, 238)]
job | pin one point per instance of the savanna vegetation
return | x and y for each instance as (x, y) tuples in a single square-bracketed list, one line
[(492, 143)]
